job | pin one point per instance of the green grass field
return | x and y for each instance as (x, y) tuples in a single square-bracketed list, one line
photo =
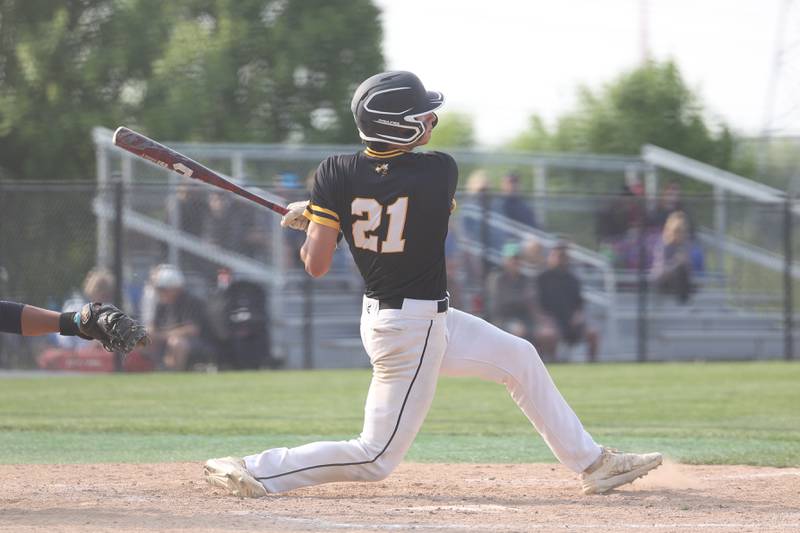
[(696, 413)]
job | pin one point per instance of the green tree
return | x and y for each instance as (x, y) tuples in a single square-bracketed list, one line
[(258, 71), (211, 70), (454, 130), (650, 104), (536, 138)]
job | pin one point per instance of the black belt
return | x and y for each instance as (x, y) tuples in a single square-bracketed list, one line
[(397, 303)]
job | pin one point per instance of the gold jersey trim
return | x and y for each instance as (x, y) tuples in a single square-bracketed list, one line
[(382, 155)]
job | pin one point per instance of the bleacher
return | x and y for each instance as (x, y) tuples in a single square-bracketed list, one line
[(722, 320)]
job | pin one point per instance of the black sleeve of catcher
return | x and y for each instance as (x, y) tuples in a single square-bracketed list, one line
[(11, 317)]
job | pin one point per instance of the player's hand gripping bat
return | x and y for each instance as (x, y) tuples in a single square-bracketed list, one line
[(166, 157)]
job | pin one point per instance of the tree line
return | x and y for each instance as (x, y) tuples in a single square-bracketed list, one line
[(270, 71), (183, 70)]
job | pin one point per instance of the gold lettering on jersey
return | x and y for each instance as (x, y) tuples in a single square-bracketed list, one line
[(396, 211), (370, 213)]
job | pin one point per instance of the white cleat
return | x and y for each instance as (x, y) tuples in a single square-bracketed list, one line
[(230, 473), (614, 468)]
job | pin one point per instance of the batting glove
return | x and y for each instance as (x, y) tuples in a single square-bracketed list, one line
[(294, 218)]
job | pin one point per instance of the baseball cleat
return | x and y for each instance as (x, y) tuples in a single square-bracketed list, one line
[(230, 473), (614, 468)]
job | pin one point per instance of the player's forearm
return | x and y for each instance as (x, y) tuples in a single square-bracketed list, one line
[(27, 320), (317, 250), (37, 321)]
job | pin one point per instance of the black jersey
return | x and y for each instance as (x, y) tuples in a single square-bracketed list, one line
[(393, 208)]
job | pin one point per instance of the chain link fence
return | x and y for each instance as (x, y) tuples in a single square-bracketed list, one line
[(720, 283)]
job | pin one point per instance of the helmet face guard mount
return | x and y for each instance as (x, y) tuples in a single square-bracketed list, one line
[(388, 108)]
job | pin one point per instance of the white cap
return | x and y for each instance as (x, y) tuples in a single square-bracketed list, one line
[(168, 277)]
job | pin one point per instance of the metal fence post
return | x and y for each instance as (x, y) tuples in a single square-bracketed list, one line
[(484, 199), (788, 293), (308, 322), (540, 193), (119, 206), (720, 223), (102, 166), (641, 329), (173, 218)]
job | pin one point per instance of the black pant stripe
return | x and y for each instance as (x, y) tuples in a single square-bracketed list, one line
[(396, 426)]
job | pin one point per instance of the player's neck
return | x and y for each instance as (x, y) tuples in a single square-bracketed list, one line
[(386, 147)]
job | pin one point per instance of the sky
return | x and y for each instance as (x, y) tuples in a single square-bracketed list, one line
[(503, 60)]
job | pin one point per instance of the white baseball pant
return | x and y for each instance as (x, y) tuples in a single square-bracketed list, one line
[(409, 348)]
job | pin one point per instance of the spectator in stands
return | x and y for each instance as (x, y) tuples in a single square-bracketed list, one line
[(193, 207), (220, 223), (561, 300), (239, 323), (512, 204), (669, 201), (76, 353), (672, 266), (512, 296), (98, 286), (478, 198), (533, 256), (618, 222), (179, 330)]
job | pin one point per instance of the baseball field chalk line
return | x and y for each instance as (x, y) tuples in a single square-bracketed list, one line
[(491, 508), (326, 524), (753, 476), (549, 481)]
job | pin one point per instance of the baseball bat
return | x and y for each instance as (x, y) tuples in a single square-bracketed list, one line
[(166, 157)]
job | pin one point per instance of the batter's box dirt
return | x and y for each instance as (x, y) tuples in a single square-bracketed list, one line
[(418, 497)]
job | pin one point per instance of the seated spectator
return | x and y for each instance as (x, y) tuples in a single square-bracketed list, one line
[(512, 296), (98, 286), (533, 255), (672, 265), (561, 300), (635, 250), (75, 353), (179, 331), (669, 201), (512, 204), (240, 322), (476, 197), (618, 221)]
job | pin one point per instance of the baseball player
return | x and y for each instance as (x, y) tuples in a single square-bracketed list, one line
[(103, 322), (392, 205)]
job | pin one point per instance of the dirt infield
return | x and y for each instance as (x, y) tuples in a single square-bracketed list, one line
[(418, 497)]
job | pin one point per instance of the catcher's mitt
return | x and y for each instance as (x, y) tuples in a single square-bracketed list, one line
[(114, 329)]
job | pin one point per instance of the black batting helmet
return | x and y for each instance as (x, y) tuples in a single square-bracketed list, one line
[(387, 107)]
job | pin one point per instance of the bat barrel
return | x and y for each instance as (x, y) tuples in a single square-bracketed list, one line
[(166, 157)]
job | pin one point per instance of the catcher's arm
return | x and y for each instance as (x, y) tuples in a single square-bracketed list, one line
[(105, 323), (27, 320)]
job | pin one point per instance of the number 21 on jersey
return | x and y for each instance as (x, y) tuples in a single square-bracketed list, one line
[(364, 229)]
